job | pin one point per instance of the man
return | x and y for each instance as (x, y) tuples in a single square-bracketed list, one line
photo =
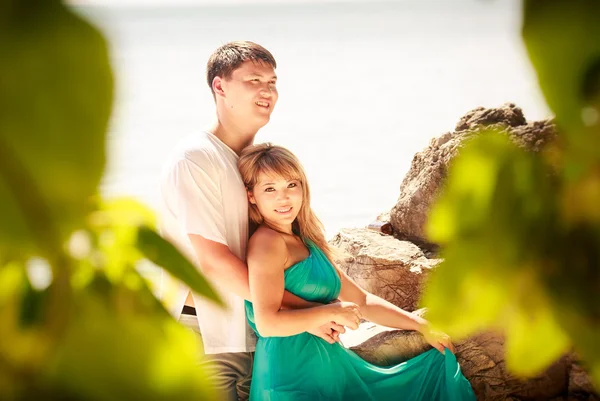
[(204, 209)]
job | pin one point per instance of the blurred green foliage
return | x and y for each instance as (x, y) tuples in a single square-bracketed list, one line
[(77, 320), (520, 232)]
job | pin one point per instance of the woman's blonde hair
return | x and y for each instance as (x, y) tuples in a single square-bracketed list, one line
[(276, 160)]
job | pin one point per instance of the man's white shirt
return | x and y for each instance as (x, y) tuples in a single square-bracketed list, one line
[(202, 193)]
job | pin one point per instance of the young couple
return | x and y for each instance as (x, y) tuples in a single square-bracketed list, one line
[(214, 186)]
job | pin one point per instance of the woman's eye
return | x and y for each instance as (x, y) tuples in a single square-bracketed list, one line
[(292, 185), (269, 189)]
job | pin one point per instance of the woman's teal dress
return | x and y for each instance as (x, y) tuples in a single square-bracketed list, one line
[(305, 367)]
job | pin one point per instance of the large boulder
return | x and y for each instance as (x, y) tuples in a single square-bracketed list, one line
[(385, 346), (429, 167), (396, 271), (391, 269)]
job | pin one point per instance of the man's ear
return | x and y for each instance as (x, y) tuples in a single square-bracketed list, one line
[(251, 198), (217, 86)]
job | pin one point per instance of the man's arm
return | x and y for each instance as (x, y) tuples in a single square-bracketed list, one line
[(219, 264)]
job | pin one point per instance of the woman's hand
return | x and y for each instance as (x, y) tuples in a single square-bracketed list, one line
[(329, 332), (345, 313), (437, 339)]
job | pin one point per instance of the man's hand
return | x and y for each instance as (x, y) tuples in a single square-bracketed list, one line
[(329, 332)]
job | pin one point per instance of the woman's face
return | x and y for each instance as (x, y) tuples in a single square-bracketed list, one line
[(278, 199)]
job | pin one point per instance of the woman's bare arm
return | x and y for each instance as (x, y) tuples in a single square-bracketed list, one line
[(267, 255)]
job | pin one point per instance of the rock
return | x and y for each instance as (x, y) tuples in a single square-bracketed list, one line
[(482, 361), (508, 114), (580, 383), (391, 347), (385, 346), (384, 217), (384, 227), (396, 268), (396, 271), (429, 167), (391, 269)]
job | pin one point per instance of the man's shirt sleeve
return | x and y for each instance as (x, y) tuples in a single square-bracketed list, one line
[(199, 199)]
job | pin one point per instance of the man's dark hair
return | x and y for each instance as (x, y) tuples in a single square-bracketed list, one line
[(231, 55)]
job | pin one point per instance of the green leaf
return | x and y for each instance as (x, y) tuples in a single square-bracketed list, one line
[(563, 41), (115, 231), (122, 212), (502, 205), (55, 101), (534, 337), (12, 278), (562, 38), (164, 254), (33, 306), (122, 345), (462, 300)]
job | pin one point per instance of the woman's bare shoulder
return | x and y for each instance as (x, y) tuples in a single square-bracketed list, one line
[(266, 242)]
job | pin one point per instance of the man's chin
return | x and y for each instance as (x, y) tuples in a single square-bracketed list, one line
[(261, 121)]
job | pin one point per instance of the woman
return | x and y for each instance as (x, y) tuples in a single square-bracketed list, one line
[(288, 251)]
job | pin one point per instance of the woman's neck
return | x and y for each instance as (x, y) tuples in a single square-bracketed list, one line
[(282, 228)]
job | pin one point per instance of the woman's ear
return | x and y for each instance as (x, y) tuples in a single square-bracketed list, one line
[(251, 197)]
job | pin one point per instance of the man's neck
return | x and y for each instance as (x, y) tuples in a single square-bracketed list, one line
[(232, 136)]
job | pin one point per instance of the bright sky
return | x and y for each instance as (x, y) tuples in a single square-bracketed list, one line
[(193, 2)]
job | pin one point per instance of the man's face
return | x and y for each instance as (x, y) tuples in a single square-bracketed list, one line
[(250, 94)]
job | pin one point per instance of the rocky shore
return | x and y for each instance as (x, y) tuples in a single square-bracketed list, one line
[(393, 259)]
